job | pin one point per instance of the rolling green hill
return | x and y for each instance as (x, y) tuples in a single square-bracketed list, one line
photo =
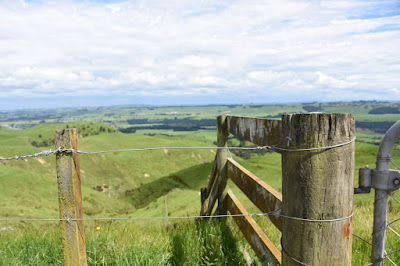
[(372, 118), (136, 184), (113, 184)]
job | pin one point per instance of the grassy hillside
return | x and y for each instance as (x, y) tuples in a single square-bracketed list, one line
[(112, 184), (140, 184)]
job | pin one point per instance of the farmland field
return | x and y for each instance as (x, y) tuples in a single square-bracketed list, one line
[(152, 183)]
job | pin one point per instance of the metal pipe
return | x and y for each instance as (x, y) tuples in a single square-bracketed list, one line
[(381, 203), (386, 146)]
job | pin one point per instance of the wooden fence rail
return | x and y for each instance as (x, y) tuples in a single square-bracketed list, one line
[(262, 195), (262, 132), (259, 131), (252, 232), (317, 186)]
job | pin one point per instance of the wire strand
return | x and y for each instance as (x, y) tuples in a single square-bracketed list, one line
[(272, 213), (138, 218), (317, 148), (391, 195), (291, 257), (391, 229), (366, 241), (316, 221), (391, 160), (60, 150)]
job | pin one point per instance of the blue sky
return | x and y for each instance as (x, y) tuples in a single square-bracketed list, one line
[(85, 53)]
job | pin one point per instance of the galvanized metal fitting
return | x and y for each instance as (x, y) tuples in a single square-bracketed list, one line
[(378, 179)]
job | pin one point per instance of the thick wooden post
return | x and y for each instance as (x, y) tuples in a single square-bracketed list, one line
[(222, 159), (70, 198), (317, 185)]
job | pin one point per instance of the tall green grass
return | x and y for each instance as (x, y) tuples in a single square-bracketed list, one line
[(132, 243)]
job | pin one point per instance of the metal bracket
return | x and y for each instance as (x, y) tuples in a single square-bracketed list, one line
[(378, 179)]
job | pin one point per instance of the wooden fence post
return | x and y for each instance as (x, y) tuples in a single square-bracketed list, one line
[(317, 185), (70, 198), (222, 159)]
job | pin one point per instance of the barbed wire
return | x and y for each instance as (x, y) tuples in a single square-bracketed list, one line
[(60, 150), (273, 148)]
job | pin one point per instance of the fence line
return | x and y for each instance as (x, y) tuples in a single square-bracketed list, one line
[(267, 214), (266, 132), (233, 122), (139, 218), (272, 148), (61, 150)]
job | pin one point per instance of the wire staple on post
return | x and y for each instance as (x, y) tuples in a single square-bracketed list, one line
[(289, 137)]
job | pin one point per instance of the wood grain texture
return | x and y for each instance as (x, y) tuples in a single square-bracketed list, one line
[(222, 135), (256, 130), (70, 198), (261, 244), (213, 177), (210, 202), (318, 185), (206, 192), (260, 193)]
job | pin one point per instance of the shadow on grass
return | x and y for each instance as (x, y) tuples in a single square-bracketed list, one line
[(192, 178)]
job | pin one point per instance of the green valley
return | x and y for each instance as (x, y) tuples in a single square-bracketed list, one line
[(156, 183)]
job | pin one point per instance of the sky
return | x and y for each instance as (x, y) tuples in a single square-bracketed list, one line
[(180, 52)]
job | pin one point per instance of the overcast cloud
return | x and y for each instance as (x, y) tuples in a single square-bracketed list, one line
[(190, 52)]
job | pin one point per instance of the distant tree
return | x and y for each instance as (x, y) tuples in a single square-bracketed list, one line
[(384, 110), (311, 108)]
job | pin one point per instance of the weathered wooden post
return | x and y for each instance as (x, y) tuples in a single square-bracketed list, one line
[(317, 185), (222, 139), (70, 198)]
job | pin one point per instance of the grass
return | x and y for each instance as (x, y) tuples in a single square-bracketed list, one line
[(144, 184), (116, 243)]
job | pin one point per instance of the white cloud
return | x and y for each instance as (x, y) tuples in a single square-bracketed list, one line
[(196, 61), (156, 48), (332, 82)]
